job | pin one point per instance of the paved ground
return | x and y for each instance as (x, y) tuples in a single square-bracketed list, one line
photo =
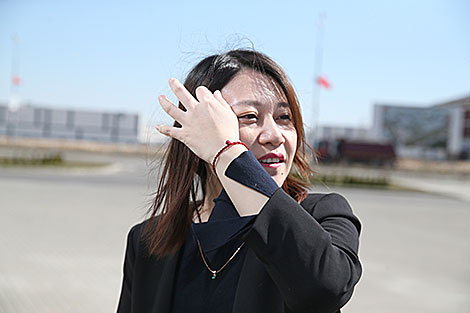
[(453, 186), (62, 237)]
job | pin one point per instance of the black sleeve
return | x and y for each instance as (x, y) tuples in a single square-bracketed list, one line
[(309, 250), (246, 170), (124, 305)]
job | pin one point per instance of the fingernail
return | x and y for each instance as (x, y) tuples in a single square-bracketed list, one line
[(157, 127), (160, 97)]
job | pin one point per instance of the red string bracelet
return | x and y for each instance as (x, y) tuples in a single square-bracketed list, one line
[(228, 144)]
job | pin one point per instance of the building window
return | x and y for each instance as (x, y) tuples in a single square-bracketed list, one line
[(3, 115), (105, 122), (70, 119), (136, 124), (37, 117), (466, 124), (466, 132)]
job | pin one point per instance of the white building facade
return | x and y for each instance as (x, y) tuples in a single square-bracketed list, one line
[(440, 131)]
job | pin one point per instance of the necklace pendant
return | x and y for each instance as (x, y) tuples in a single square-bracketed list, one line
[(214, 275)]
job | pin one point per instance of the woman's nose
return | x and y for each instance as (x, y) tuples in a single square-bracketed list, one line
[(271, 133)]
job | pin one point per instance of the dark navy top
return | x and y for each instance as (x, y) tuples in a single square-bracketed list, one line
[(195, 290)]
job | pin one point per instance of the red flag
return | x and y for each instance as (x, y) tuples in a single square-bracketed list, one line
[(323, 81), (16, 80)]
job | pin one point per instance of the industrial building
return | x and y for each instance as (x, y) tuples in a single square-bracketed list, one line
[(439, 131), (334, 133), (46, 122)]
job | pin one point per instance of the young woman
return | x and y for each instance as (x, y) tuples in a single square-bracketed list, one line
[(232, 227)]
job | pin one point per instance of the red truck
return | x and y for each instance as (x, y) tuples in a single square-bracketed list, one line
[(355, 151)]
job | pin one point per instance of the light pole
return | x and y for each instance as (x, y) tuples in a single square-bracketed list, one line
[(315, 111)]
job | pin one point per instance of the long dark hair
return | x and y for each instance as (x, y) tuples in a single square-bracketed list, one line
[(184, 176)]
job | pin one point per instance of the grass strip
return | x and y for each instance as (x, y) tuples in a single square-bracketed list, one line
[(55, 160)]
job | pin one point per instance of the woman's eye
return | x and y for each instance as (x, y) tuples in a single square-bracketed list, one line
[(285, 117), (248, 116)]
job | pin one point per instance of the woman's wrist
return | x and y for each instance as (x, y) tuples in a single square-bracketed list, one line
[(225, 158), (247, 201)]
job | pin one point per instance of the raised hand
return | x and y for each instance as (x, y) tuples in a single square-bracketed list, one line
[(207, 123)]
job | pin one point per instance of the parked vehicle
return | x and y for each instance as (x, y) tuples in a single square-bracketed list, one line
[(354, 151)]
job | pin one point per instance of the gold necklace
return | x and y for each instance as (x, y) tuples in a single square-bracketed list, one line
[(214, 272)]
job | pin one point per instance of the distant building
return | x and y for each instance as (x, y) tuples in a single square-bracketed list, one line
[(458, 145), (440, 131), (335, 132), (44, 122)]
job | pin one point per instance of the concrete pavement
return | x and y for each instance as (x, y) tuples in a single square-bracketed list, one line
[(62, 237)]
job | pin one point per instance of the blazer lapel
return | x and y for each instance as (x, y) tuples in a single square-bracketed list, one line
[(256, 291), (164, 292)]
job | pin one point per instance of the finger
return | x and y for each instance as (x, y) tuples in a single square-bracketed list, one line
[(171, 109), (182, 94), (220, 98), (204, 94), (170, 131)]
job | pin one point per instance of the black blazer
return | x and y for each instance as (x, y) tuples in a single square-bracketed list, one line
[(301, 258)]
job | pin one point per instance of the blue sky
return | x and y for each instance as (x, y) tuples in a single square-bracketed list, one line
[(116, 55)]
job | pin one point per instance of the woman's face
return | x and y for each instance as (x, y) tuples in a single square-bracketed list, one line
[(265, 121)]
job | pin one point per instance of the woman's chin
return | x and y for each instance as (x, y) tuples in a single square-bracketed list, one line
[(278, 174)]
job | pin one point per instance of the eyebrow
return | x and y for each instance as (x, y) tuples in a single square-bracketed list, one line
[(257, 103)]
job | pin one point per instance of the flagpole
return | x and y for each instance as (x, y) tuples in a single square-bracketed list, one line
[(314, 119), (15, 79)]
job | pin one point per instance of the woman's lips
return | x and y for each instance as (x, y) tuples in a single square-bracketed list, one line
[(272, 155), (271, 165), (272, 160)]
